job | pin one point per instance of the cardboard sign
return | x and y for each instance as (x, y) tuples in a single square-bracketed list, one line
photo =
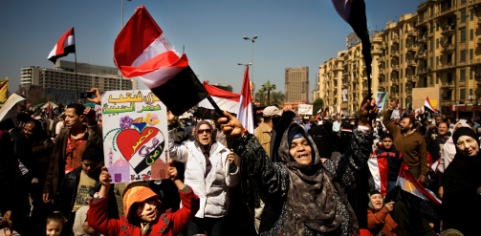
[(135, 136), (304, 109)]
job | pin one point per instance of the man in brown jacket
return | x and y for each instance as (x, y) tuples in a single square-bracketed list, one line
[(82, 129), (411, 144)]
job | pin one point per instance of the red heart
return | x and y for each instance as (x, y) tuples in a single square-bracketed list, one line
[(130, 140)]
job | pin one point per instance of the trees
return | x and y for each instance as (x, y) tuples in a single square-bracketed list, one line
[(268, 87), (267, 96), (317, 104)]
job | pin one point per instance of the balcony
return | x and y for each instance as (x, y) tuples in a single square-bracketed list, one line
[(411, 33), (447, 66), (448, 48), (412, 78), (422, 38), (446, 11), (411, 47), (448, 30), (448, 84), (411, 62), (395, 67), (423, 70), (422, 54)]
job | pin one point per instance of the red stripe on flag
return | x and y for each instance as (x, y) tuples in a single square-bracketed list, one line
[(245, 114)]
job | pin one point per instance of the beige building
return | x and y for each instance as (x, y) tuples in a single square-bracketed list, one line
[(438, 46), (297, 84), (64, 84)]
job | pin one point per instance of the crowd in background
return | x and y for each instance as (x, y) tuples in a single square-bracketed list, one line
[(294, 175)]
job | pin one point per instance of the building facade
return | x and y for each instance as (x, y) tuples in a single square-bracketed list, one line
[(66, 80), (437, 46), (297, 84)]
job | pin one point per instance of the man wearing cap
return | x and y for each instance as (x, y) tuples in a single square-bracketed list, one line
[(263, 132)]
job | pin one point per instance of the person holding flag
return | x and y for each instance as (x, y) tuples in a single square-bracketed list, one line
[(283, 185)]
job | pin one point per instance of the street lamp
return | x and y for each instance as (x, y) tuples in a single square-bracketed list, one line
[(253, 40), (122, 26)]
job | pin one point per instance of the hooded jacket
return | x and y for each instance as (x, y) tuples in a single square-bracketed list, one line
[(324, 208)]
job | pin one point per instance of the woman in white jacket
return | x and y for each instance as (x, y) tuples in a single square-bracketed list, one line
[(210, 171)]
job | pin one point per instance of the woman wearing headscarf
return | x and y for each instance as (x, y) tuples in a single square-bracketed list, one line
[(462, 184), (447, 155), (210, 171), (302, 195)]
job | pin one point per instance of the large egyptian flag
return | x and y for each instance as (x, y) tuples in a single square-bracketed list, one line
[(64, 46), (427, 105), (354, 13), (407, 183), (227, 101), (3, 90), (246, 113), (141, 50)]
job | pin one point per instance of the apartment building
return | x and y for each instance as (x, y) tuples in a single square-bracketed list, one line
[(438, 46), (66, 80), (297, 84)]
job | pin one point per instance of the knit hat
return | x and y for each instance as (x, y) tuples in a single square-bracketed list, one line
[(464, 131), (134, 194)]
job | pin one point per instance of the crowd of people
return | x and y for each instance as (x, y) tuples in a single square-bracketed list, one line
[(324, 175)]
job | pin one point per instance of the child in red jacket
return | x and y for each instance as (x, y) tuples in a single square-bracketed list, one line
[(141, 210)]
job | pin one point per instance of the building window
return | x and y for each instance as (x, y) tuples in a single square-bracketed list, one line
[(462, 35), (462, 56), (471, 35), (463, 16), (471, 54), (437, 78), (462, 94), (437, 61), (437, 43), (471, 15), (462, 75), (471, 75)]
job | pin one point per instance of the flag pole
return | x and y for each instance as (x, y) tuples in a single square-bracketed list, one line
[(77, 93), (211, 101)]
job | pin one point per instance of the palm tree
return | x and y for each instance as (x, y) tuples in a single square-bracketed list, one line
[(268, 87)]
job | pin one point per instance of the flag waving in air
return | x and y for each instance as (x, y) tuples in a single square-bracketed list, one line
[(354, 13), (245, 114), (227, 101), (427, 104), (64, 46), (141, 50)]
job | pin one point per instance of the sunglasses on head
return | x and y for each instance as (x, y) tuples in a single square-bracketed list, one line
[(200, 131)]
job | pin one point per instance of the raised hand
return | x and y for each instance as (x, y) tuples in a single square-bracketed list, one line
[(96, 99), (230, 125), (368, 111)]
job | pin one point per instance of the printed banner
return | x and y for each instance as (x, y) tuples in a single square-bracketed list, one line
[(135, 136), (304, 109)]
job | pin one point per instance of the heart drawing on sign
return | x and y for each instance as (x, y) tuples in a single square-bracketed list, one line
[(130, 141)]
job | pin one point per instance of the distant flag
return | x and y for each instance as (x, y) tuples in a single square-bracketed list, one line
[(141, 50), (354, 13), (245, 114), (3, 90), (407, 183), (427, 105), (64, 46), (227, 101)]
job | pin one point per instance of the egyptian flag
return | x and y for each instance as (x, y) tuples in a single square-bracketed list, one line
[(427, 104), (141, 50), (246, 114), (227, 101), (407, 183), (64, 46), (354, 13)]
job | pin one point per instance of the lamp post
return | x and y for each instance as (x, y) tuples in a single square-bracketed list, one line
[(122, 26), (253, 40)]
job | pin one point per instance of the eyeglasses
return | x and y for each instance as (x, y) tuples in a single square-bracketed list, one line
[(200, 131)]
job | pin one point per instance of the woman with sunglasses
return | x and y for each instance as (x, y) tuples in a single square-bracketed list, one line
[(210, 171)]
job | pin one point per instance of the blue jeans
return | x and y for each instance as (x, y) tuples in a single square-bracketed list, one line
[(209, 226)]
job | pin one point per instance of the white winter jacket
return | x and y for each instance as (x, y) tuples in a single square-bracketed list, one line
[(212, 189)]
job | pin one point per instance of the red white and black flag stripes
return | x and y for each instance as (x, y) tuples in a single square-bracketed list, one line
[(141, 50), (64, 46)]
